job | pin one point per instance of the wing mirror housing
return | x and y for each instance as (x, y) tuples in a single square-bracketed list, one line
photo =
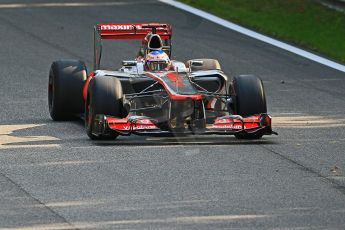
[(132, 66), (180, 67)]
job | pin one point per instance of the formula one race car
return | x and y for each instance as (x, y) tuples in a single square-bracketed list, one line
[(153, 95)]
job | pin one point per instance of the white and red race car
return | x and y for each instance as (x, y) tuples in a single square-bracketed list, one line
[(194, 97)]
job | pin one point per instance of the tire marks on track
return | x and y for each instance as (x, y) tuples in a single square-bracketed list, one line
[(329, 180)]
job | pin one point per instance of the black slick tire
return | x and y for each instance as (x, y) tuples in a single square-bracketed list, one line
[(104, 96), (65, 87), (250, 99)]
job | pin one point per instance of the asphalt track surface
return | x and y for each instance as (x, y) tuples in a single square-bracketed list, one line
[(53, 177)]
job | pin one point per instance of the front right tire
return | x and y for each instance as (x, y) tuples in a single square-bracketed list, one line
[(104, 96)]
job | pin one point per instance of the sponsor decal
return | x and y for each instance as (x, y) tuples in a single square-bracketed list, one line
[(144, 122), (227, 126), (125, 128), (119, 27), (140, 125), (145, 127)]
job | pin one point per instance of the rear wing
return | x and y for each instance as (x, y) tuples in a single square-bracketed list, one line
[(133, 31), (129, 31)]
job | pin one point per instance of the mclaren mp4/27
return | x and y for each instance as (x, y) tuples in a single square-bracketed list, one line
[(175, 98)]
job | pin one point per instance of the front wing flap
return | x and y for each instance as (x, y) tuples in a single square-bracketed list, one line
[(142, 125)]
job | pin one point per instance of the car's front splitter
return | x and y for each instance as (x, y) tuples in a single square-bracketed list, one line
[(145, 126)]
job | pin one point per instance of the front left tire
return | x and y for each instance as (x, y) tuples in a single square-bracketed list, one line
[(250, 100)]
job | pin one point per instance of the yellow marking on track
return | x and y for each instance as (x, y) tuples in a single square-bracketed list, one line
[(307, 121), (8, 139)]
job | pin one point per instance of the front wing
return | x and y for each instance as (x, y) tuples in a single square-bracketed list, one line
[(141, 125)]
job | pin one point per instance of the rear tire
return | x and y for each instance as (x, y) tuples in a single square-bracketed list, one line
[(65, 87), (104, 96), (207, 64), (250, 100)]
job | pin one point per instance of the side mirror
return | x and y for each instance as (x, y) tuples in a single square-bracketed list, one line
[(180, 67), (140, 67), (129, 63), (197, 63), (134, 67)]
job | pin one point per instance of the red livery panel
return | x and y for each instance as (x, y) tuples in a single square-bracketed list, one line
[(237, 124), (172, 94)]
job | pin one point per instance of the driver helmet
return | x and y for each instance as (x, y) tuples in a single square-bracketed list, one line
[(157, 60)]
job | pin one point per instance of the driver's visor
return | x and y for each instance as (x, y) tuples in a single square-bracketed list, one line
[(157, 65)]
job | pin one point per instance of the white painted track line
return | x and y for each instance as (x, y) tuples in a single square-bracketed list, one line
[(255, 35)]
